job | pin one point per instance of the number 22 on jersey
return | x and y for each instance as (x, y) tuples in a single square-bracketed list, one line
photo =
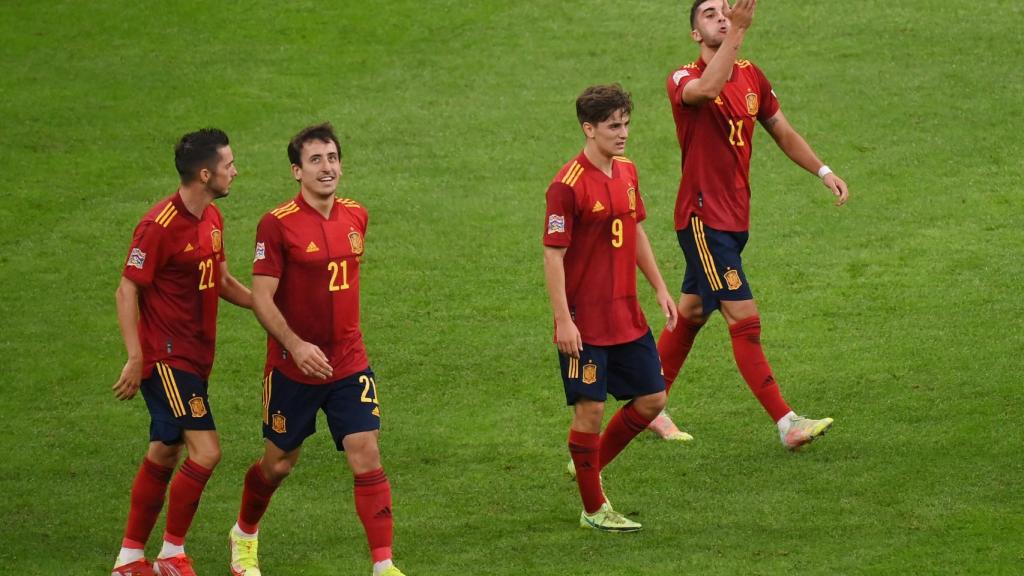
[(206, 274)]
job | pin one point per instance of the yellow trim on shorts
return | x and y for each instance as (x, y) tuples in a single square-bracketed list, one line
[(171, 389), (705, 254)]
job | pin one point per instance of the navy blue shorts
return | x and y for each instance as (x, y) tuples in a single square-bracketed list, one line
[(290, 407), (714, 269), (177, 401), (624, 370)]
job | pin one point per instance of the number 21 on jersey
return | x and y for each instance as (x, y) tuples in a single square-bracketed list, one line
[(339, 276)]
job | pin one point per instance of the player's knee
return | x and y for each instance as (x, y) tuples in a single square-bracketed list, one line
[(363, 455), (278, 470), (587, 416), (651, 404), (207, 457), (692, 312)]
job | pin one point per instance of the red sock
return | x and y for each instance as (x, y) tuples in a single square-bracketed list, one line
[(186, 489), (674, 346), (746, 348), (148, 492), (255, 498), (584, 448), (623, 427), (373, 504)]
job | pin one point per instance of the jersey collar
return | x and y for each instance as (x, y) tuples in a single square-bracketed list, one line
[(300, 201)]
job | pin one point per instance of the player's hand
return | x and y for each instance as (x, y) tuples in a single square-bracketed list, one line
[(311, 360), (741, 15), (568, 338), (838, 188), (131, 377), (668, 306)]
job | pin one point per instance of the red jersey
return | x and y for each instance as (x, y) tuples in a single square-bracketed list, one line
[(175, 260), (317, 263), (715, 140), (595, 218)]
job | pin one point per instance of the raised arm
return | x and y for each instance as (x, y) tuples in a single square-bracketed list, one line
[(799, 151), (715, 75)]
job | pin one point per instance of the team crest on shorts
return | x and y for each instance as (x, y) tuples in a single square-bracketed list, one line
[(197, 407), (752, 106), (589, 373), (355, 241), (215, 238), (732, 279), (278, 423)]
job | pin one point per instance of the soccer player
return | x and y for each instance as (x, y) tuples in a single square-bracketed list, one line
[(593, 243), (715, 102), (306, 296), (167, 310)]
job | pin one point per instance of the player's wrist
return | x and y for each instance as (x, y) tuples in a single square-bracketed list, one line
[(824, 171)]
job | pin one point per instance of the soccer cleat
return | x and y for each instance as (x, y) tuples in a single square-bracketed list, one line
[(244, 561), (392, 571), (137, 568), (665, 428), (608, 520), (180, 565), (804, 431)]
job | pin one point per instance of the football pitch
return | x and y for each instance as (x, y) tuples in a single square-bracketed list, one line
[(900, 314)]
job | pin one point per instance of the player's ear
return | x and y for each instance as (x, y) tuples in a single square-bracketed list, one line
[(588, 129), (204, 175), (297, 172), (696, 36)]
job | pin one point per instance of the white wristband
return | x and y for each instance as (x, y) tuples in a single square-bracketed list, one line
[(824, 171)]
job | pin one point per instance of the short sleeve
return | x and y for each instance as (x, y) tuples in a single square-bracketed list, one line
[(270, 248), (146, 254), (678, 80), (558, 222), (769, 103)]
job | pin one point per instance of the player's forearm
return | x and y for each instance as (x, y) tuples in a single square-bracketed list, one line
[(234, 291), (717, 72), (647, 263), (273, 321), (554, 278), (127, 298), (799, 151)]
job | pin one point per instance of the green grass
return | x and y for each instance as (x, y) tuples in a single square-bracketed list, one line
[(899, 314)]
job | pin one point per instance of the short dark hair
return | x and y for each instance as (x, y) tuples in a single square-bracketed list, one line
[(198, 150), (323, 132), (597, 103)]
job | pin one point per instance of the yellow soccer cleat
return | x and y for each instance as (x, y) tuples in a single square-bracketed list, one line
[(244, 561), (804, 431), (666, 429), (608, 520), (392, 571)]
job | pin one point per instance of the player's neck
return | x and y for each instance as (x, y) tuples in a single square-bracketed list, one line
[(319, 202), (195, 198), (707, 53), (599, 159)]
